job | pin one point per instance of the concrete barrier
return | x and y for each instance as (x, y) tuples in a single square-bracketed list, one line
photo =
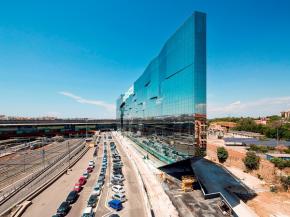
[(21, 208)]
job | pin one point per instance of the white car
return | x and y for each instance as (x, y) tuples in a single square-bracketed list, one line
[(117, 178), (91, 163), (118, 189), (119, 196), (88, 212), (97, 189)]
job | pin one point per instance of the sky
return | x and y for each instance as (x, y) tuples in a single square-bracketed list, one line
[(73, 58)]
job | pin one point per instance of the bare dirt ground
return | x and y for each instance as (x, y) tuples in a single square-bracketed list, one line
[(268, 204)]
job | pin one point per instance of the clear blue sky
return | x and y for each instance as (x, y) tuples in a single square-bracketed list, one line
[(73, 58)]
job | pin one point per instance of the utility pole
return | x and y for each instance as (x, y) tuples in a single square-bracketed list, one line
[(68, 149)]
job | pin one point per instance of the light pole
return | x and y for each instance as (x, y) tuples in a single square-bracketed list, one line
[(86, 128)]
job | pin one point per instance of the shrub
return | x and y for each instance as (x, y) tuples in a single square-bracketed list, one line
[(285, 180), (222, 154), (251, 161), (280, 163), (273, 188), (199, 152), (259, 176)]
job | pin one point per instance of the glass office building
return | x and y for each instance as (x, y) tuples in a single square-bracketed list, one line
[(164, 111)]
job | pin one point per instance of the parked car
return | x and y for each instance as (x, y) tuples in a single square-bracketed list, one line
[(101, 182), (97, 189), (114, 215), (72, 197), (118, 189), (102, 173), (118, 178), (116, 182), (95, 153), (91, 163), (116, 160), (117, 167), (63, 209), (88, 212), (116, 204), (89, 169), (82, 180), (86, 174), (119, 196), (118, 164), (117, 172), (77, 187), (92, 200)]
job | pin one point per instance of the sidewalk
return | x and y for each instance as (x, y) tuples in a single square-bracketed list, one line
[(159, 201)]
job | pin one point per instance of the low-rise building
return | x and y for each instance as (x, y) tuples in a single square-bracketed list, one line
[(270, 156)]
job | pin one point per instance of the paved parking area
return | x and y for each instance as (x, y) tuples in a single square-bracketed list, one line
[(134, 206)]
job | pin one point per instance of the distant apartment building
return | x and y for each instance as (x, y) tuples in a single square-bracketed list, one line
[(285, 114), (167, 103), (261, 121)]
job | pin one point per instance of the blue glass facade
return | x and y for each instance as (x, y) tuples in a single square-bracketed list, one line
[(169, 98)]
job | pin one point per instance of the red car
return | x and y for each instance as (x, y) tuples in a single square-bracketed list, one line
[(89, 169), (82, 180), (77, 187)]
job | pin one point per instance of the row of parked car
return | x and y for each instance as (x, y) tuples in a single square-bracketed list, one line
[(72, 197), (117, 180), (94, 197)]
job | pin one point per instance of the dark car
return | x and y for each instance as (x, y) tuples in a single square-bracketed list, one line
[(102, 176), (72, 197), (101, 181), (63, 208), (114, 215), (117, 173), (117, 182), (92, 200), (117, 170)]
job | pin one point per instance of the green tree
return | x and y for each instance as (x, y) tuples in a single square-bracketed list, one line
[(199, 152), (251, 161), (222, 154)]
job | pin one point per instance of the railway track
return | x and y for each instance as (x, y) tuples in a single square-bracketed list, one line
[(39, 178), (24, 163)]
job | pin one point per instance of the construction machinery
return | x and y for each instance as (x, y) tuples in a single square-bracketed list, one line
[(187, 183)]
